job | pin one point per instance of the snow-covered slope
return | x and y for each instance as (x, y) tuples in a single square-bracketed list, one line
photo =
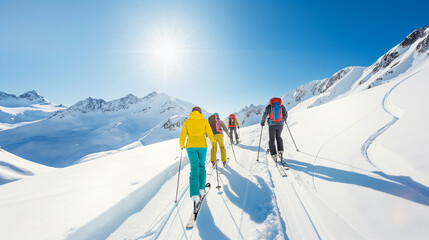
[(16, 111), (13, 168), (95, 125), (359, 175), (409, 53)]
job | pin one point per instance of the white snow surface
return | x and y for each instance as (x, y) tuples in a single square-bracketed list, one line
[(361, 173), (13, 168)]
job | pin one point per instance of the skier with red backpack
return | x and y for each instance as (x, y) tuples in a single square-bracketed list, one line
[(275, 114), (233, 125)]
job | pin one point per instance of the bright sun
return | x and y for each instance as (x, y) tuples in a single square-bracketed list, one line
[(167, 51)]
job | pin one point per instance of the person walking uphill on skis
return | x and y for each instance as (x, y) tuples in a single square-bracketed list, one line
[(233, 125), (217, 126), (196, 128), (277, 115)]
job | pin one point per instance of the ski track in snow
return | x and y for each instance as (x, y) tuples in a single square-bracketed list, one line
[(239, 221), (331, 139), (368, 147)]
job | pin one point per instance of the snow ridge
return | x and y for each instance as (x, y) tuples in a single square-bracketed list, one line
[(407, 54)]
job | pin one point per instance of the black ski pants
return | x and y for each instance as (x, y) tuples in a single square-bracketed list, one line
[(275, 132), (231, 131)]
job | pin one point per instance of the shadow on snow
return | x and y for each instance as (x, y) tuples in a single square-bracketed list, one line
[(251, 148), (206, 225), (400, 187), (253, 199)]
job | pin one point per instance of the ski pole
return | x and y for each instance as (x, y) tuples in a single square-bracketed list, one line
[(178, 177), (292, 137), (217, 174), (260, 137), (232, 147)]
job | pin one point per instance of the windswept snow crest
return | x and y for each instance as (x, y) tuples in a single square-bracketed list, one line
[(13, 168)]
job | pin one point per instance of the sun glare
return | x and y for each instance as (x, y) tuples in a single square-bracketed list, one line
[(167, 51)]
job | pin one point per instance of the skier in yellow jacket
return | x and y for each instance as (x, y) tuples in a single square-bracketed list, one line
[(196, 128)]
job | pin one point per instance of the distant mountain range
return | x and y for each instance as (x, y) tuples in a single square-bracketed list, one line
[(64, 136)]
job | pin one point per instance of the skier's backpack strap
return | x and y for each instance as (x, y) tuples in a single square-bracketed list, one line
[(276, 110), (217, 124)]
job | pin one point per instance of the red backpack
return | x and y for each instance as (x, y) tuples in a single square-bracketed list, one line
[(231, 122), (276, 110)]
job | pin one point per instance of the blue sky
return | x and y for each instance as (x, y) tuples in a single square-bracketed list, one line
[(231, 53)]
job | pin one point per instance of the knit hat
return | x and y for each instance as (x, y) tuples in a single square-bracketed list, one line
[(197, 109)]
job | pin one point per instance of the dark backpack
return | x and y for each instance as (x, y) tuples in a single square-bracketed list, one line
[(276, 114), (214, 124)]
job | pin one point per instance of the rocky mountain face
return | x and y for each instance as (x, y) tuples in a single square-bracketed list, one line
[(405, 56)]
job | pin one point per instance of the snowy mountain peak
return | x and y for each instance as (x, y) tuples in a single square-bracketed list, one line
[(89, 104), (31, 95), (4, 95), (150, 95), (23, 100), (414, 36)]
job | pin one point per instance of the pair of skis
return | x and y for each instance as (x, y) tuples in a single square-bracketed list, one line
[(282, 167), (193, 218)]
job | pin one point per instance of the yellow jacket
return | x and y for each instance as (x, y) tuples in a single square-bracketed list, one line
[(196, 128)]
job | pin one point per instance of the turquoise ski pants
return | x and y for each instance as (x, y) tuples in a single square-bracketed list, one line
[(197, 177)]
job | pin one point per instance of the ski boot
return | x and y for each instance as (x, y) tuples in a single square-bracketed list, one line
[(196, 199), (224, 163), (281, 156), (274, 157)]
